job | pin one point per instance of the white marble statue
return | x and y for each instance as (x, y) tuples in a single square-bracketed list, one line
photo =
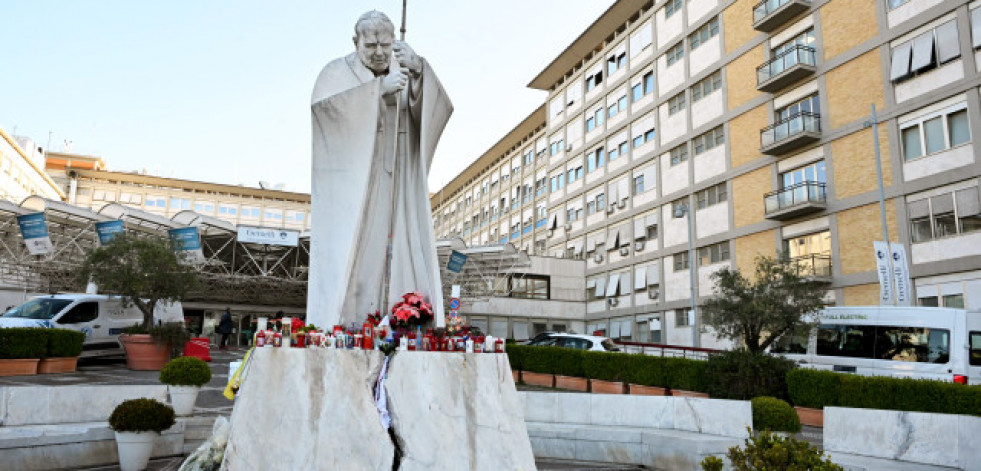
[(355, 168)]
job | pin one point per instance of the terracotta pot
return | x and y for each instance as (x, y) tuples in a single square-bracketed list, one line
[(683, 393), (516, 374), (538, 379), (571, 383), (810, 417), (18, 366), (143, 353), (639, 390), (608, 387), (57, 365)]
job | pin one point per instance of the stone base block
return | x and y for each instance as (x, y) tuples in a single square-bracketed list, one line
[(39, 405)]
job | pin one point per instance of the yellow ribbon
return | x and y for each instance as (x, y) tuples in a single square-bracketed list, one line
[(236, 380)]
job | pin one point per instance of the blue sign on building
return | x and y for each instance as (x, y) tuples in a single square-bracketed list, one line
[(34, 229), (108, 229), (185, 238), (456, 262)]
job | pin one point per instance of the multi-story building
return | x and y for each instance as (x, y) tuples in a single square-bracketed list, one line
[(22, 171), (754, 119), (87, 183)]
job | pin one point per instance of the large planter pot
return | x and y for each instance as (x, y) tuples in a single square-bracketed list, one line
[(683, 393), (639, 390), (810, 417), (143, 353), (134, 449), (538, 379), (516, 374), (18, 366), (182, 399), (57, 365), (571, 383), (608, 387)]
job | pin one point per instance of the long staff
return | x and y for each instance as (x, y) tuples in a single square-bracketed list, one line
[(400, 126)]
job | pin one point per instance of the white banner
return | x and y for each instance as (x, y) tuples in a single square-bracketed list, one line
[(882, 255), (268, 236), (900, 274)]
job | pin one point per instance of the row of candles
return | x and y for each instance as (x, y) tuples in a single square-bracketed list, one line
[(369, 339)]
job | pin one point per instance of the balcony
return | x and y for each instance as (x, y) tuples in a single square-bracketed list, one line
[(816, 266), (787, 68), (794, 201), (795, 132), (769, 15)]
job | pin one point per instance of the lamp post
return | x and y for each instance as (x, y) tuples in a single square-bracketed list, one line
[(685, 212)]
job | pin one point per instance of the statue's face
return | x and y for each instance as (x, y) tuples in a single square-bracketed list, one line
[(375, 48)]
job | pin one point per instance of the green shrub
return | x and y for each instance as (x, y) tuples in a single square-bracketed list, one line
[(64, 343), (770, 413), (174, 334), (23, 342), (768, 452), (141, 415), (516, 355), (185, 371), (646, 370), (564, 361), (813, 388), (607, 366), (741, 374), (685, 374)]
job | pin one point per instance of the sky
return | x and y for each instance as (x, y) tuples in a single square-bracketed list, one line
[(219, 91)]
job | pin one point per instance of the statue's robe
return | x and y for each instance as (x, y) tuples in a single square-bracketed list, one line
[(354, 132)]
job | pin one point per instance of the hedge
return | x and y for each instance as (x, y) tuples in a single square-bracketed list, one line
[(818, 389), (23, 342), (741, 374), (64, 343)]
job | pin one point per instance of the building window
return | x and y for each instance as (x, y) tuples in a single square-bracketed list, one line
[(676, 103), (709, 140), (594, 80), (681, 261), (644, 87), (681, 318), (574, 174), (673, 6), (706, 86), (679, 154), (948, 214), (614, 151), (813, 173), (617, 107), (529, 157), (615, 62), (935, 132), (810, 104), (703, 34), (180, 203), (925, 52), (712, 195), (811, 253), (676, 53), (638, 184), (595, 160), (644, 138), (714, 253), (556, 146)]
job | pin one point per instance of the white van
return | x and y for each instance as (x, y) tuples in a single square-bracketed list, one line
[(905, 342), (100, 317)]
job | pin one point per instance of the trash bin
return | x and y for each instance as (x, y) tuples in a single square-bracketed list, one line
[(198, 347)]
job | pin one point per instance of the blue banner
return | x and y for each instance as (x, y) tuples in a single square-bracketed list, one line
[(34, 229), (185, 238), (108, 229), (456, 262)]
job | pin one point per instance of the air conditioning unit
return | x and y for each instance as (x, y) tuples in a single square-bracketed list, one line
[(610, 208), (598, 258), (612, 301), (638, 246), (624, 251), (653, 293), (567, 226), (623, 204)]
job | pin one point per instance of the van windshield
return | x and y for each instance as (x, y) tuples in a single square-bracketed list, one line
[(42, 308)]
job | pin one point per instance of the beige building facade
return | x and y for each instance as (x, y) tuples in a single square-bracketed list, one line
[(754, 119)]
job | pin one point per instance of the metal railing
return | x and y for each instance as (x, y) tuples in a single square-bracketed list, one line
[(785, 60), (764, 8), (803, 192), (795, 124), (816, 265), (661, 350)]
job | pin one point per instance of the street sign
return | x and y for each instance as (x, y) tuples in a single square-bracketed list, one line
[(456, 262), (454, 303)]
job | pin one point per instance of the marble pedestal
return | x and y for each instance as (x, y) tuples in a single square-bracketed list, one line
[(314, 409)]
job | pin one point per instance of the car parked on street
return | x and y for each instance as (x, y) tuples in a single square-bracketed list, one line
[(579, 341)]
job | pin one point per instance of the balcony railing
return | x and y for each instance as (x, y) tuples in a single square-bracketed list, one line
[(814, 265), (792, 133), (786, 68), (797, 200), (769, 15)]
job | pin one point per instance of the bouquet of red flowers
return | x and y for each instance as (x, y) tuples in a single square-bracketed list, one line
[(412, 310)]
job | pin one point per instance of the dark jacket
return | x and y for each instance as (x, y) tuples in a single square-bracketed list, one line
[(225, 325)]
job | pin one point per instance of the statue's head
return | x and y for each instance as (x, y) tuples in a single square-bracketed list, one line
[(374, 35)]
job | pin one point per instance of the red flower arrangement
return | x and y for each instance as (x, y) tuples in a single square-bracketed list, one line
[(412, 310)]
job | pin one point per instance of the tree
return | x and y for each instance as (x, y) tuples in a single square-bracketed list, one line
[(143, 271), (761, 310)]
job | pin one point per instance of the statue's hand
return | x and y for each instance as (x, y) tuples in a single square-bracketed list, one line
[(395, 81), (407, 58)]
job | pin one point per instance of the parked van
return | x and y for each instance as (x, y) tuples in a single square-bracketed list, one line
[(905, 342), (100, 317)]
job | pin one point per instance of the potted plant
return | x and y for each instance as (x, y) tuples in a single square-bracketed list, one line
[(63, 348), (143, 271), (21, 348), (137, 423), (184, 377)]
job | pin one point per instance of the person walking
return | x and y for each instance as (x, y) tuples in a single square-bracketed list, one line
[(225, 328)]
